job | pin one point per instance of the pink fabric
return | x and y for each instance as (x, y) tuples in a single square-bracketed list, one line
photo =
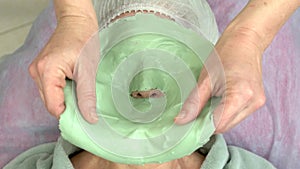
[(272, 132)]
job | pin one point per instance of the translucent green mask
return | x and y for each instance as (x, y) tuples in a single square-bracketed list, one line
[(142, 52)]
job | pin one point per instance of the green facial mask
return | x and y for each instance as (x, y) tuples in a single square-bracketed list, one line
[(141, 53)]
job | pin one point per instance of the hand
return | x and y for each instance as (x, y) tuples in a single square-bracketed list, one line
[(239, 83), (56, 62)]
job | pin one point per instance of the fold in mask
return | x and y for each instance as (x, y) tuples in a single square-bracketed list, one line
[(141, 53)]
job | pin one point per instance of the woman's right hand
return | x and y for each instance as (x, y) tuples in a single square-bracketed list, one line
[(59, 60), (233, 73)]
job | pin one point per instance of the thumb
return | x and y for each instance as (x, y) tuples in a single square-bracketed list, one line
[(195, 102), (85, 76), (86, 96)]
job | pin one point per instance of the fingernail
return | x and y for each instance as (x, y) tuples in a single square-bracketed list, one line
[(181, 115), (93, 118), (93, 115)]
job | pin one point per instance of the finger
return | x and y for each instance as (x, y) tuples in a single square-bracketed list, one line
[(36, 77), (53, 84), (255, 104), (87, 100), (195, 102), (210, 82), (234, 120), (228, 109), (42, 95), (40, 88), (85, 77)]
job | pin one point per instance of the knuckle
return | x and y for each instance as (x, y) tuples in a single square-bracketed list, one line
[(248, 93), (234, 99), (193, 102), (54, 110), (86, 97), (247, 90), (260, 101), (51, 109), (40, 65), (31, 70)]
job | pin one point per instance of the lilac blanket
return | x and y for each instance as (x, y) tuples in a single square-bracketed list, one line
[(272, 132)]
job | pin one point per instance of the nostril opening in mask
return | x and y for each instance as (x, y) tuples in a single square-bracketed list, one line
[(153, 93)]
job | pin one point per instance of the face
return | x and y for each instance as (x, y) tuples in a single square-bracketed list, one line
[(89, 161)]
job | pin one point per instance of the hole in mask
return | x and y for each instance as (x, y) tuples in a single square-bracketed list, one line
[(152, 93)]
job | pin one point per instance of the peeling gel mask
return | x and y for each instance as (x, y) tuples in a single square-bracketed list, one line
[(141, 53)]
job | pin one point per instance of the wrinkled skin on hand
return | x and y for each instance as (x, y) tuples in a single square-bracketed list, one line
[(235, 74), (71, 52)]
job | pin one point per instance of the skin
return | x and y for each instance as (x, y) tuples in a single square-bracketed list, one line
[(154, 93), (86, 160), (76, 24), (240, 50)]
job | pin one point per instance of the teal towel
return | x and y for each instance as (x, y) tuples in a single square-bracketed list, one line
[(45, 156), (229, 157), (219, 156)]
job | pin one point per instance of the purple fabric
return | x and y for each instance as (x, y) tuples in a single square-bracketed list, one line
[(24, 121), (272, 132)]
